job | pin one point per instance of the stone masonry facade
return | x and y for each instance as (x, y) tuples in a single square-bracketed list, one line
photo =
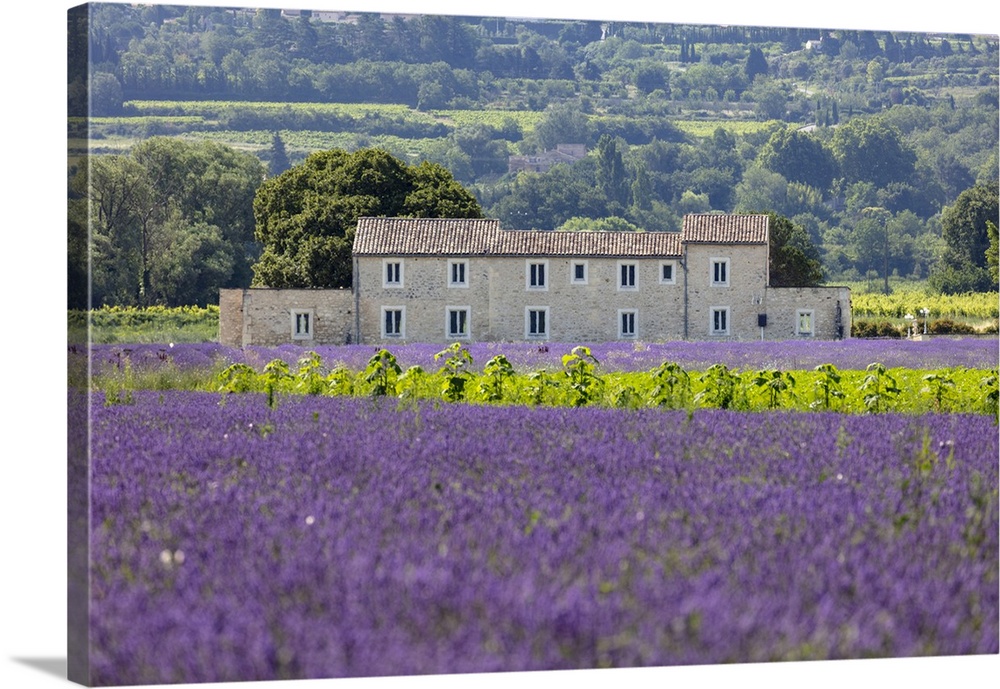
[(448, 280)]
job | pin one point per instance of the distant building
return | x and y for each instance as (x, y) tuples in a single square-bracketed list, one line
[(543, 162), (447, 280)]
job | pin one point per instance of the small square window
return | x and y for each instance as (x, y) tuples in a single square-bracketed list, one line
[(626, 276), (393, 321), (458, 273), (720, 272), (578, 273), (392, 273), (627, 323), (536, 275), (458, 322), (804, 322), (720, 321), (668, 274), (536, 322), (302, 324)]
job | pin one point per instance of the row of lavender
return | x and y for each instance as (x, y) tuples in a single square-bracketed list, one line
[(614, 356), (345, 537)]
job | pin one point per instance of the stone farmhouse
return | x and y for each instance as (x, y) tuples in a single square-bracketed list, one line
[(448, 280), (543, 162)]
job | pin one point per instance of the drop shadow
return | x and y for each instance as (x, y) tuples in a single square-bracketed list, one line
[(58, 667)]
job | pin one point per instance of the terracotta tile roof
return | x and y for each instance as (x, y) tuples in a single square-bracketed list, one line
[(551, 243), (714, 228), (456, 237), (424, 236)]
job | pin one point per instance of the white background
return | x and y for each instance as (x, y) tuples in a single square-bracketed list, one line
[(32, 367)]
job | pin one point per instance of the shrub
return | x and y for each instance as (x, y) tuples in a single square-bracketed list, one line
[(875, 329), (946, 326)]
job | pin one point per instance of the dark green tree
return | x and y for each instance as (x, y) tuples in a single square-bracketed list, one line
[(279, 157), (799, 157), (965, 230), (793, 260), (170, 222), (306, 217), (561, 124), (612, 178), (872, 150), (755, 64), (992, 253)]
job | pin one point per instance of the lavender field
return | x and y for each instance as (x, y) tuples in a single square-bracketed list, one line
[(977, 353), (330, 537)]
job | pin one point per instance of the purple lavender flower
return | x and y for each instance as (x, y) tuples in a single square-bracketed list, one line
[(332, 537), (614, 356)]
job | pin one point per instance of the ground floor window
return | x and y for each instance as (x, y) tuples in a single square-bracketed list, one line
[(536, 322), (804, 322), (302, 324), (458, 322), (393, 321), (626, 323), (720, 320)]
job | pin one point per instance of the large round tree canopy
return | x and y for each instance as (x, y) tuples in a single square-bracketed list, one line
[(306, 216)]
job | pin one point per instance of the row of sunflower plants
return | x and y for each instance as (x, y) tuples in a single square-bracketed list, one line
[(580, 382)]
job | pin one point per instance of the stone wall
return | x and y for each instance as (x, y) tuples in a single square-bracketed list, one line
[(267, 316), (231, 317), (782, 305), (742, 295), (424, 295), (497, 296)]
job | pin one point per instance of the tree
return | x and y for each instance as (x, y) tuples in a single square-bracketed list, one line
[(121, 207), (651, 76), (965, 230), (171, 222), (561, 124), (793, 260), (608, 224), (799, 157), (991, 253), (755, 64), (279, 157), (873, 235), (761, 189), (212, 183), (872, 150), (769, 98), (306, 217), (612, 179)]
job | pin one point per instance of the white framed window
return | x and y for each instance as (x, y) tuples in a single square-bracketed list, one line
[(458, 322), (720, 272), (392, 273), (804, 323), (536, 322), (578, 272), (458, 273), (627, 322), (394, 321), (627, 278), (719, 320), (668, 272), (303, 322), (536, 275)]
